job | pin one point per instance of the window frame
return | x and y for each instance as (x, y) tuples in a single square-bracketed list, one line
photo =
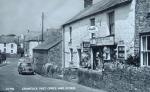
[(12, 46), (146, 51), (92, 22), (71, 55), (70, 34), (12, 51), (93, 35), (4, 44), (111, 22), (121, 51), (4, 50)]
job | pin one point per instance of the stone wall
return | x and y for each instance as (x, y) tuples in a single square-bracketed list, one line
[(70, 74), (52, 56), (40, 59), (117, 78), (140, 22), (55, 55)]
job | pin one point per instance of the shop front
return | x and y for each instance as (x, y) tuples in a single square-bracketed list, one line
[(102, 54), (93, 54), (102, 50)]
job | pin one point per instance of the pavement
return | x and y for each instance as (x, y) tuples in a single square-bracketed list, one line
[(12, 81)]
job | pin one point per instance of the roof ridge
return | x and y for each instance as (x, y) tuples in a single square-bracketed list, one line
[(96, 8)]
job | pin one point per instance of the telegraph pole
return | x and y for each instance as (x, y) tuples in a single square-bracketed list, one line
[(42, 25)]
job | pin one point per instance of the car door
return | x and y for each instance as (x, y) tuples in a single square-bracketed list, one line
[(20, 67)]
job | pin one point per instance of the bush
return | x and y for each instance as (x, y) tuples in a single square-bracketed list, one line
[(133, 60)]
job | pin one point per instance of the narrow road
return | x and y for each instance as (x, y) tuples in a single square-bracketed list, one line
[(11, 81)]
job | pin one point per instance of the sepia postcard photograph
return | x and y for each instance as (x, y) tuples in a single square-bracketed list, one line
[(74, 45)]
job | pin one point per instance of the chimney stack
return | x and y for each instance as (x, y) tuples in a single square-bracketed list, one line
[(87, 3)]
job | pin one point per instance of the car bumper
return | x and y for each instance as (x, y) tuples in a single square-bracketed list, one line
[(28, 72)]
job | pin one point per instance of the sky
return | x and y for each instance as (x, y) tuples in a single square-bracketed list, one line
[(17, 16)]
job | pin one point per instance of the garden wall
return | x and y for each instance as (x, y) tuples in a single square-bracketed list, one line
[(71, 75), (117, 78)]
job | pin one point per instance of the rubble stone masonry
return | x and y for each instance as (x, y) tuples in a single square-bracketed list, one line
[(141, 21)]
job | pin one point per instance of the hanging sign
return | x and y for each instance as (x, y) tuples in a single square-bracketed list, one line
[(86, 46)]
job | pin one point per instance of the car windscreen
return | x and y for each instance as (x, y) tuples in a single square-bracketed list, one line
[(27, 64)]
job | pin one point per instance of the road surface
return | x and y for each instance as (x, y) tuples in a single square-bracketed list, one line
[(11, 81)]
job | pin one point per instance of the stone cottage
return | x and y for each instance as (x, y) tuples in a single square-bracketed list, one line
[(106, 31), (142, 31), (49, 52)]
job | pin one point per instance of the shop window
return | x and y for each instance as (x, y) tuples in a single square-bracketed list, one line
[(106, 53), (145, 50), (121, 52), (111, 23), (85, 55)]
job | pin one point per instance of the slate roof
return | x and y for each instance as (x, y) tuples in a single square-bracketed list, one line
[(98, 8), (8, 39), (52, 38), (47, 45)]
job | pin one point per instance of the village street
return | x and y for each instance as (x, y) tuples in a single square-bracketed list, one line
[(10, 81)]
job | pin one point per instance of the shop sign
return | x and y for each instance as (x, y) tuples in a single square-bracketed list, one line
[(105, 41), (92, 29), (86, 46)]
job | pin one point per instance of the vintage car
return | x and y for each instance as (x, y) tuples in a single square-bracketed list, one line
[(25, 67)]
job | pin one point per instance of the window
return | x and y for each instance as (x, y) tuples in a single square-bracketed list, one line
[(5, 50), (148, 7), (4, 44), (70, 30), (11, 51), (106, 53), (12, 46), (145, 50), (111, 23), (92, 35), (71, 55), (121, 52), (92, 21), (79, 54)]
